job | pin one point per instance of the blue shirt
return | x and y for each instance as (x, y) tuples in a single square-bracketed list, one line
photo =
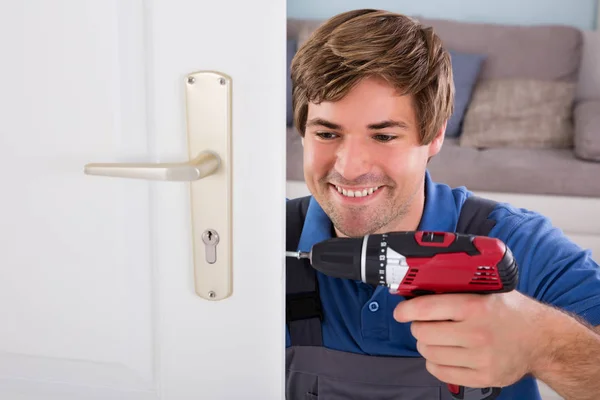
[(552, 269)]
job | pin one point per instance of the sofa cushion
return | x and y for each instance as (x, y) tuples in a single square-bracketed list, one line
[(511, 170), (543, 52), (465, 70), (587, 130), (588, 86), (520, 113)]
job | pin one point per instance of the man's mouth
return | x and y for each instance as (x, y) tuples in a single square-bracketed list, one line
[(356, 192)]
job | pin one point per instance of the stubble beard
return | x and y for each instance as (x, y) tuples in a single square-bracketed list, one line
[(358, 221)]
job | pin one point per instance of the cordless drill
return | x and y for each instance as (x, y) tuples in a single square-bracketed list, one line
[(420, 263)]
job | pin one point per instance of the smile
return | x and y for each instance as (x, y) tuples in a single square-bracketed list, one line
[(357, 192)]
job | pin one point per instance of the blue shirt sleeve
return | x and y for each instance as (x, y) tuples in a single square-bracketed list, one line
[(552, 269)]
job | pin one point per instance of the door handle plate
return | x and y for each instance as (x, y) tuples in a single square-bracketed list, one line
[(208, 115), (209, 173)]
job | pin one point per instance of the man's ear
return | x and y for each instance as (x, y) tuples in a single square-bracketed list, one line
[(436, 144), (302, 141)]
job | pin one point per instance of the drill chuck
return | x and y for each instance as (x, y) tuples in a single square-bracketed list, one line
[(339, 257), (367, 259)]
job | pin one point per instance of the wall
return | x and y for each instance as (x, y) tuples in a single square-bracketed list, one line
[(579, 13)]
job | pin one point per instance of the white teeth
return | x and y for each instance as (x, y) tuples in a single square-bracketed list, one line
[(357, 193)]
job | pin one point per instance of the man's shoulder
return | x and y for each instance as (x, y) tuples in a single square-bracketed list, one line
[(509, 220), (527, 230), (508, 217), (552, 267), (509, 214), (500, 211)]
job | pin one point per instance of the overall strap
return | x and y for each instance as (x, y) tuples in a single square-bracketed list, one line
[(474, 215), (303, 304), (474, 220)]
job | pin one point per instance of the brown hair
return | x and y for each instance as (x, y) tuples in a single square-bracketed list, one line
[(362, 43)]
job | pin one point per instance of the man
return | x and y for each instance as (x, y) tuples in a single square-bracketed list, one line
[(372, 92)]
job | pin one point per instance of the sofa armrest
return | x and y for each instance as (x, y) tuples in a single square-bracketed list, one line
[(587, 130)]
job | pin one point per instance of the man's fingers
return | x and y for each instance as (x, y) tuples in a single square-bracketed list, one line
[(449, 356), (460, 376), (437, 307), (443, 333)]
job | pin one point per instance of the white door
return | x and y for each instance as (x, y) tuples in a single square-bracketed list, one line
[(103, 294)]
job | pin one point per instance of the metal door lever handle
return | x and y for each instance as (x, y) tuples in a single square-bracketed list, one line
[(206, 163)]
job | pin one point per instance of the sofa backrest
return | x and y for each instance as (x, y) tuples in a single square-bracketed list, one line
[(530, 52), (544, 52)]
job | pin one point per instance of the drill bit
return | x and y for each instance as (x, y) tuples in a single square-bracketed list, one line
[(297, 254)]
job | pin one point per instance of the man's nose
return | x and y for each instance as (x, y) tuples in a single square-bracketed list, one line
[(353, 159)]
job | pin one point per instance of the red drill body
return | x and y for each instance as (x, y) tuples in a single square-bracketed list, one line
[(417, 263), (457, 271)]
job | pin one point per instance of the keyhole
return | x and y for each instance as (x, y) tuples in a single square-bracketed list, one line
[(210, 239)]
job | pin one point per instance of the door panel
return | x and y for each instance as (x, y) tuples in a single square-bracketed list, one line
[(76, 282), (97, 294)]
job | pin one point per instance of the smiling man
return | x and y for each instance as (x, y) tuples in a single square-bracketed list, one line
[(364, 160), (372, 92)]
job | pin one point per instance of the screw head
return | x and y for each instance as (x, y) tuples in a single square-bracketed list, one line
[(212, 295), (222, 81), (191, 80)]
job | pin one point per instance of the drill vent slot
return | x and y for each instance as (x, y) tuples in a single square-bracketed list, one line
[(410, 277), (485, 275)]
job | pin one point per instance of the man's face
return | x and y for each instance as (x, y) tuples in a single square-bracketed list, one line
[(363, 161)]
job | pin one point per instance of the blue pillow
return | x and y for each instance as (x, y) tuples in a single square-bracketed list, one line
[(291, 51), (465, 68)]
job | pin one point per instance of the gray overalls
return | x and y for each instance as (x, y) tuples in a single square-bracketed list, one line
[(316, 372)]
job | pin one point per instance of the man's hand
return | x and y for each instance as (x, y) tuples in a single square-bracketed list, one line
[(477, 341)]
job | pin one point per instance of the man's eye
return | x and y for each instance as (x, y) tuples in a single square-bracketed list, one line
[(384, 138), (326, 135)]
